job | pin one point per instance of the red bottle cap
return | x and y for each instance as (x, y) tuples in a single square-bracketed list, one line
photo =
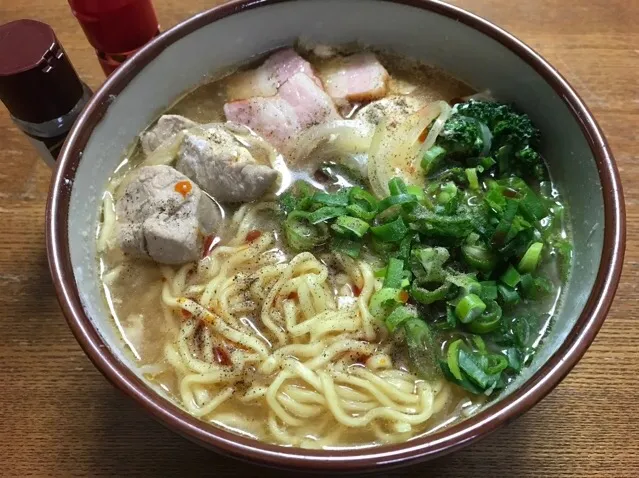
[(116, 26), (37, 80)]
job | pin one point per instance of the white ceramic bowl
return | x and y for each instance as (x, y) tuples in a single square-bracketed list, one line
[(464, 45)]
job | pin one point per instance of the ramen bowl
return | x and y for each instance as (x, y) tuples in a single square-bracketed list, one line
[(468, 47)]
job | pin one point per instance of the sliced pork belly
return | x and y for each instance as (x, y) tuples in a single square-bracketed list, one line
[(164, 216), (355, 78), (299, 104), (165, 128), (213, 158), (266, 79)]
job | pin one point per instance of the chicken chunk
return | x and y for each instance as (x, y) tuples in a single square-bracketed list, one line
[(165, 128), (392, 108), (213, 158), (164, 216), (266, 79), (355, 78), (299, 104)]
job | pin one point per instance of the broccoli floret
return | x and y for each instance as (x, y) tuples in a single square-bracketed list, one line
[(461, 136), (513, 136), (506, 125)]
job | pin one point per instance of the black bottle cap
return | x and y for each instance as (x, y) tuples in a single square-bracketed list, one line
[(37, 81)]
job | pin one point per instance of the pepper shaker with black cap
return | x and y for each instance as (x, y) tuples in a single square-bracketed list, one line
[(39, 85)]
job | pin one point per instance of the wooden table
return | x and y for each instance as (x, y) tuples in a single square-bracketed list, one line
[(59, 416)]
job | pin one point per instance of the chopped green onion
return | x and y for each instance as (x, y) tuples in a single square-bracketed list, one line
[(397, 186), (395, 200), (487, 162), (457, 226), (405, 247), (398, 316), (421, 349), (347, 246), (384, 249), (488, 321), (427, 264), (488, 290), (393, 231), (352, 224), (531, 258), (479, 343), (530, 205), (447, 192), (432, 157), (473, 182), (340, 198), (362, 204), (511, 277), (495, 364), (452, 356), (394, 274), (417, 192), (451, 318), (513, 355), (509, 295), (380, 273), (506, 221), (471, 367), (469, 308), (535, 287), (383, 301), (301, 234), (467, 283), (325, 213), (425, 296), (479, 257)]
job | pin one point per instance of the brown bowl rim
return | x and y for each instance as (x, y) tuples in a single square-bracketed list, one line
[(437, 444)]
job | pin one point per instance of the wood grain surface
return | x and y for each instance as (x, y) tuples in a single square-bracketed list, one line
[(59, 416)]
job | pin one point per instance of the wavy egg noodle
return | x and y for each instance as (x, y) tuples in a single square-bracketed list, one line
[(315, 369)]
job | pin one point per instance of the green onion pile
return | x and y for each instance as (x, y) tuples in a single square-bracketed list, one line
[(467, 257)]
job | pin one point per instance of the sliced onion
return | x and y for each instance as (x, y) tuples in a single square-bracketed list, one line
[(396, 149), (485, 95), (487, 138), (438, 126), (346, 137)]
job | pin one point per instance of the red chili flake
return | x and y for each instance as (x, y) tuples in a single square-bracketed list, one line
[(356, 291), (183, 187), (253, 235), (210, 243), (403, 296), (423, 136), (509, 193), (186, 314), (222, 356), (292, 296)]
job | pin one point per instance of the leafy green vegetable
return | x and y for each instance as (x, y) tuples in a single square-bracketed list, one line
[(461, 257)]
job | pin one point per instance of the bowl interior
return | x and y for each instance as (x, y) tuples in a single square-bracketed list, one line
[(481, 61)]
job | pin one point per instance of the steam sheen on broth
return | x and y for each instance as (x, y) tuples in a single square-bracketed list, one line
[(281, 327)]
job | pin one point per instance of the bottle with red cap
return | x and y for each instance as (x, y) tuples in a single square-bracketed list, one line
[(39, 85), (116, 28)]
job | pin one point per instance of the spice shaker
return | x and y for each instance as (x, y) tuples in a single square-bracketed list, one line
[(116, 28), (39, 85)]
